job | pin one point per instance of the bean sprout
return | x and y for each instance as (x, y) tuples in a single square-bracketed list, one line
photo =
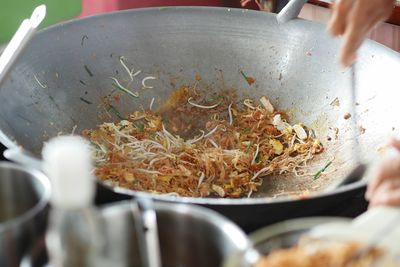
[(121, 59), (202, 106), (255, 155), (146, 79), (230, 114), (151, 103), (41, 85), (123, 89), (211, 132)]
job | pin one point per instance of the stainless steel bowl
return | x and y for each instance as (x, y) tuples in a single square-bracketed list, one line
[(281, 235), (189, 235), (24, 196)]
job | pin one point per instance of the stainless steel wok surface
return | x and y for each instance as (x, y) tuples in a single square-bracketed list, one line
[(64, 73)]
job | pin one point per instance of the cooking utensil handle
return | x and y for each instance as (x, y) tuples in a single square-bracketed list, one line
[(147, 231), (290, 11), (18, 155), (19, 40)]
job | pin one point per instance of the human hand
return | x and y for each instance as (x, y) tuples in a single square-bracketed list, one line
[(384, 188), (354, 19), (263, 5)]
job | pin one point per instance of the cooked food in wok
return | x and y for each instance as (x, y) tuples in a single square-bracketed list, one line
[(199, 144), (316, 253)]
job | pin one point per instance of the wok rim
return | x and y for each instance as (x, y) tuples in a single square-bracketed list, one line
[(237, 201), (10, 143), (220, 221)]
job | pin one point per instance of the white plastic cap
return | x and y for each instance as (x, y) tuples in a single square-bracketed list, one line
[(68, 164)]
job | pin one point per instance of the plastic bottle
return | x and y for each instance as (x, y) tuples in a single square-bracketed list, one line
[(74, 237)]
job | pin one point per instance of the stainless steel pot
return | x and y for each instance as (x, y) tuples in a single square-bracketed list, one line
[(24, 196), (278, 236), (293, 61), (189, 236)]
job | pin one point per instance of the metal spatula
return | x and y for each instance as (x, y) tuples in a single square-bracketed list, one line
[(20, 39), (360, 168), (147, 231)]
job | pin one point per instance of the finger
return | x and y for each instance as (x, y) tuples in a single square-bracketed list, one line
[(388, 185), (378, 177), (395, 143), (388, 197), (352, 40), (364, 17), (380, 194), (388, 170), (337, 23)]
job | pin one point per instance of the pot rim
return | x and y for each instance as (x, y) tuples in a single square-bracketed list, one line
[(238, 201), (40, 204), (259, 236), (252, 255), (229, 228)]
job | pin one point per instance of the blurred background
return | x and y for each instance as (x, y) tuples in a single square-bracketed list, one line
[(12, 12)]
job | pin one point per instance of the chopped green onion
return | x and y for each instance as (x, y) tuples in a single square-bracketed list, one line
[(244, 75), (319, 173), (248, 148), (249, 80), (88, 70), (122, 127), (139, 126), (85, 100), (258, 157), (215, 98), (115, 111)]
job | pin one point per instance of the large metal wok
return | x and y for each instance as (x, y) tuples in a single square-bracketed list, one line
[(62, 76)]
